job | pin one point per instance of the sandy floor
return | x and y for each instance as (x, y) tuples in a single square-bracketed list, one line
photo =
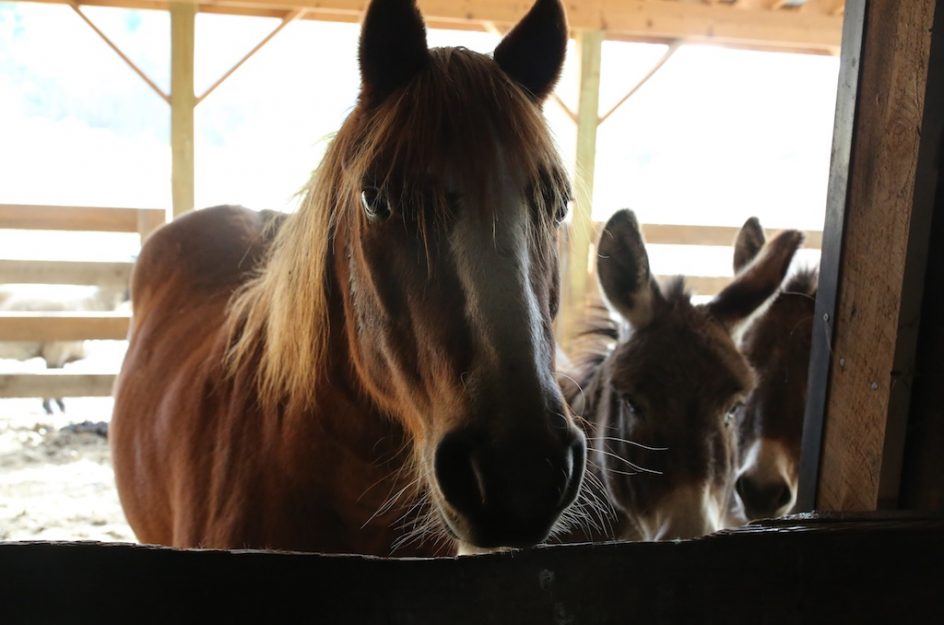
[(55, 483)]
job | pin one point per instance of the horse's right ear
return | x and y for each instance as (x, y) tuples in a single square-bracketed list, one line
[(392, 48), (749, 242), (623, 270), (532, 54)]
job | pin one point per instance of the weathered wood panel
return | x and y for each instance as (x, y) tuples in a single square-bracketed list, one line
[(72, 326), (56, 384), (883, 259), (793, 572), (92, 218)]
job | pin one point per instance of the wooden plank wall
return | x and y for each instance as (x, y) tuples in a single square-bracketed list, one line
[(884, 256)]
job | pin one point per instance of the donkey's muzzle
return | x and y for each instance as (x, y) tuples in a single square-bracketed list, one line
[(508, 494), (763, 499)]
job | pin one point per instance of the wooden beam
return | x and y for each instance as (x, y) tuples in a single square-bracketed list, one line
[(79, 218), (290, 17), (182, 102), (65, 272), (56, 383), (580, 231), (897, 139), (669, 52), (124, 57), (647, 20), (73, 326)]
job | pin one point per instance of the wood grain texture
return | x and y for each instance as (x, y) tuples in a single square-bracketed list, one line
[(56, 383), (65, 272), (79, 218), (885, 233), (72, 326), (803, 570)]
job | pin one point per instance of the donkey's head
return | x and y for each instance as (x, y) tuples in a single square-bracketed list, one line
[(665, 417), (452, 192), (770, 424)]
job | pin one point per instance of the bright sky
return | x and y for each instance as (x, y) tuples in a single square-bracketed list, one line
[(716, 136)]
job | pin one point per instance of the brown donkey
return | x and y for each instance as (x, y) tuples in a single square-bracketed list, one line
[(770, 424), (659, 401), (375, 373)]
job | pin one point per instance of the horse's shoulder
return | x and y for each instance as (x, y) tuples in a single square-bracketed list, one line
[(208, 249)]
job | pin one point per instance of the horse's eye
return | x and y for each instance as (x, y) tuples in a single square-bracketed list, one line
[(561, 213), (375, 204), (631, 406)]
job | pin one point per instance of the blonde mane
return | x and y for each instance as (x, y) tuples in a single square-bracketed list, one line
[(279, 321)]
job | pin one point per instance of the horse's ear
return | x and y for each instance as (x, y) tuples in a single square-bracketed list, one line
[(392, 48), (750, 239), (533, 52), (623, 270), (757, 282)]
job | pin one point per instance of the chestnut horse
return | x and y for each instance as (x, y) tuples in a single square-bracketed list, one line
[(770, 425), (375, 373), (658, 400)]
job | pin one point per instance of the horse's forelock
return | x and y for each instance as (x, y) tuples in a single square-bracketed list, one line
[(460, 111)]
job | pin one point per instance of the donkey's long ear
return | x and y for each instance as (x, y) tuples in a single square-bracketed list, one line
[(750, 239), (623, 270), (392, 48), (759, 281), (533, 52)]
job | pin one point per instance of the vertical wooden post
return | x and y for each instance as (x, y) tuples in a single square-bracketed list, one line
[(892, 180), (589, 44), (182, 102)]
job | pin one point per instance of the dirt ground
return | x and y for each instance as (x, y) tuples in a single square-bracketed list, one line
[(56, 480)]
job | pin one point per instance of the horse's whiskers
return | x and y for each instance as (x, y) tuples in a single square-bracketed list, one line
[(628, 442), (631, 464)]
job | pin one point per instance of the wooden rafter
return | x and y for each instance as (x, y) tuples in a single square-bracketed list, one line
[(817, 27)]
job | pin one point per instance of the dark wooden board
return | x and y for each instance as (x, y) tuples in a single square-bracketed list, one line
[(801, 570)]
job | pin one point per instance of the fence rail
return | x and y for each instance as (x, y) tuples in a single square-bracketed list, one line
[(67, 326), (80, 218)]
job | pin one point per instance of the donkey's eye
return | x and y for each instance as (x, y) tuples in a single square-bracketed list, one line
[(375, 204), (731, 414)]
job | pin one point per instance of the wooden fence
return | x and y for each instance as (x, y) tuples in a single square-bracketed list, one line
[(74, 326), (67, 326)]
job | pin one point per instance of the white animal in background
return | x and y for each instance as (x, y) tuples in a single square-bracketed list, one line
[(35, 298)]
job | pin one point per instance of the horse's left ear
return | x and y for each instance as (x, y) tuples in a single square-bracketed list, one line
[(392, 48), (533, 52), (757, 282)]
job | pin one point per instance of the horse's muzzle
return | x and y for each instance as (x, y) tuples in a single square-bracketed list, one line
[(508, 494)]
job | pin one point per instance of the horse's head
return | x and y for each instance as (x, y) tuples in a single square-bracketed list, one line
[(449, 193), (770, 425), (674, 383)]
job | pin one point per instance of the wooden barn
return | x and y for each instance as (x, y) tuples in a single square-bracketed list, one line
[(868, 544)]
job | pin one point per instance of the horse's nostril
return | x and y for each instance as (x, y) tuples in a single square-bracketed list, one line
[(508, 493)]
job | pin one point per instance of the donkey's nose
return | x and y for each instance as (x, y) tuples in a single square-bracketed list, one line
[(509, 494), (763, 499)]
